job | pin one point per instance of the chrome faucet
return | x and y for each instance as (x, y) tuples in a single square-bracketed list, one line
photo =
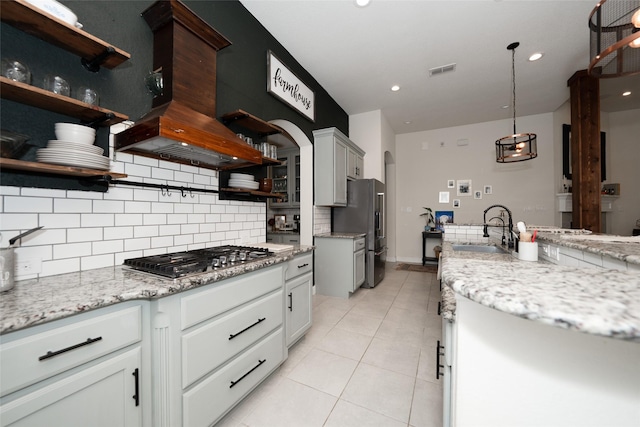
[(486, 225)]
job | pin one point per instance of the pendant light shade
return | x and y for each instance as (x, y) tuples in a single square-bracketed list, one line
[(614, 31), (519, 146)]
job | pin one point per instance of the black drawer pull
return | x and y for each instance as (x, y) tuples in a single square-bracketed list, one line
[(136, 396), (303, 265), (290, 301), (439, 308), (438, 365), (260, 362), (232, 336), (51, 354)]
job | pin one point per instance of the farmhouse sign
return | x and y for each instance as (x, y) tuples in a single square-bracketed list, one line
[(285, 85)]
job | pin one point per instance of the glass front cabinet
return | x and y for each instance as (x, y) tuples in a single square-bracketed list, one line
[(286, 179)]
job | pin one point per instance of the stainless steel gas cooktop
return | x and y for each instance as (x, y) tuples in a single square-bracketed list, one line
[(179, 264)]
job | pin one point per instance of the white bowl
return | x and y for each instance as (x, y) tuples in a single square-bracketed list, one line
[(75, 136), (73, 126), (56, 9)]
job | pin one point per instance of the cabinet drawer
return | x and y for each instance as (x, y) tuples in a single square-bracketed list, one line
[(42, 355), (211, 345), (358, 244), (231, 293), (209, 400), (299, 265)]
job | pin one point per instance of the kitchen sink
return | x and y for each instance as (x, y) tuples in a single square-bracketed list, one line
[(491, 249)]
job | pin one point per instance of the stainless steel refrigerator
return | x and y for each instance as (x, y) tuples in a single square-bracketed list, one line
[(365, 213)]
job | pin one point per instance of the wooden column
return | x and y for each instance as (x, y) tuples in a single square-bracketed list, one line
[(585, 151)]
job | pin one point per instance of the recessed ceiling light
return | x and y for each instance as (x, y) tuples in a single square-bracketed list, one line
[(504, 107), (408, 122), (627, 93), (362, 3), (536, 56), (395, 88)]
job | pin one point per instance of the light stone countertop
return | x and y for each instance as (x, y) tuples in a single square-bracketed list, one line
[(341, 235), (36, 301), (590, 300)]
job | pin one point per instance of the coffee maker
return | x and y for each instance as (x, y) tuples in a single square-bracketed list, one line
[(296, 223)]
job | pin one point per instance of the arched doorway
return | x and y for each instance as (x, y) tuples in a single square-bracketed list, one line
[(306, 178)]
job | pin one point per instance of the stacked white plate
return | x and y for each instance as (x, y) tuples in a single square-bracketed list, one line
[(73, 154), (243, 180)]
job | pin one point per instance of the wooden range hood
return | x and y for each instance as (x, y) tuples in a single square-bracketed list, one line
[(182, 127)]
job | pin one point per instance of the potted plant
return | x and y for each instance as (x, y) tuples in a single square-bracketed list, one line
[(428, 216)]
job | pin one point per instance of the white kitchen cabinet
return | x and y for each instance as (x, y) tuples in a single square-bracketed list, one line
[(331, 152), (341, 265), (286, 180), (213, 345), (533, 374), (69, 369), (355, 163), (298, 285)]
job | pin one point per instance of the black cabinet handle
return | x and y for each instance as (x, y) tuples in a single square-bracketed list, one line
[(290, 301), (439, 308), (51, 354), (438, 365), (232, 336), (136, 396), (303, 265), (260, 362)]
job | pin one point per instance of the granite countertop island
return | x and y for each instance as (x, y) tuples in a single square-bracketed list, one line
[(596, 301), (36, 301)]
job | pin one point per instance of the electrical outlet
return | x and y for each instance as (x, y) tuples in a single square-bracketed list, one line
[(545, 249), (29, 266), (554, 253)]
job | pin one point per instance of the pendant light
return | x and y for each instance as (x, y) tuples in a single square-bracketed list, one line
[(614, 31), (519, 146)]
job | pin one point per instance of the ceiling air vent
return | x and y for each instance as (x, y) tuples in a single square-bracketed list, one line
[(442, 69)]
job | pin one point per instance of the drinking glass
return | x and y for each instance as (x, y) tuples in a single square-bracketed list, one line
[(57, 84), (16, 71)]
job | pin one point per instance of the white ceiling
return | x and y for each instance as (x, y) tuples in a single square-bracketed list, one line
[(357, 54)]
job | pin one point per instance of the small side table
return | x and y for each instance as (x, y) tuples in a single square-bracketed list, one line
[(429, 239)]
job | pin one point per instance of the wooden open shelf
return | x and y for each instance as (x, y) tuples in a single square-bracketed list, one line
[(39, 23), (55, 169), (253, 192), (37, 97)]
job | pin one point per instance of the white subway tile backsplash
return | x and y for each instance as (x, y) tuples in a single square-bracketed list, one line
[(9, 191), (189, 228), (201, 208), (195, 218), (46, 236), (137, 244), (49, 193), (84, 234), (177, 219), (145, 231), (118, 233), (29, 204), (183, 176), (183, 239), (161, 207), (169, 230), (137, 207), (108, 206), (161, 242), (70, 194), (150, 195), (97, 220), (183, 208), (107, 247), (19, 221), (137, 170), (222, 226), (71, 206), (61, 266), (147, 161), (227, 217), (71, 250), (96, 261), (118, 193), (128, 219), (154, 219)]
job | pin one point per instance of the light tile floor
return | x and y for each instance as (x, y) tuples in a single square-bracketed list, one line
[(366, 361)]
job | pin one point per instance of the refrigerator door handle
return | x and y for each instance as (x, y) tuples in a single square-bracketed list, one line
[(382, 250)]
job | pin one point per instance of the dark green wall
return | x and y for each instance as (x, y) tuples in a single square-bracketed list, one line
[(241, 78)]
